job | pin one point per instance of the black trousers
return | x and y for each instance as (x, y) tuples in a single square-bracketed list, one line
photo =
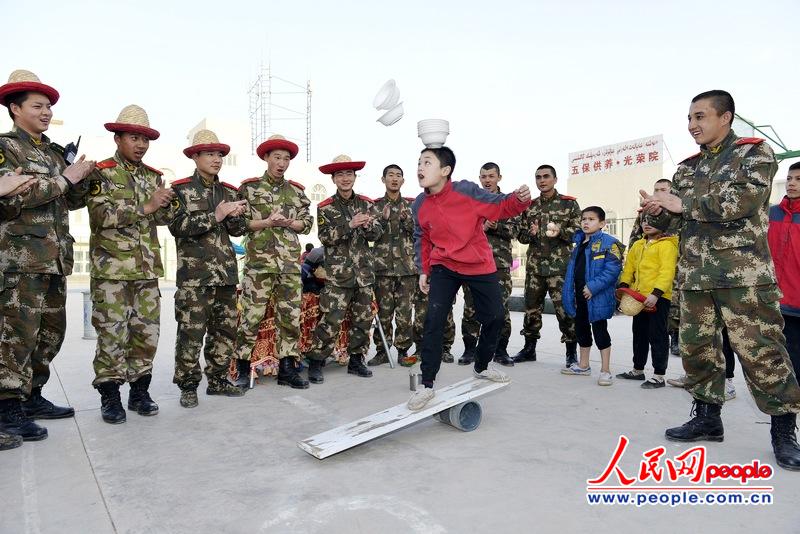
[(584, 329), (488, 300), (791, 329), (650, 335)]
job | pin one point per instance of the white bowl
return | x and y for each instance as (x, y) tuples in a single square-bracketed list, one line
[(433, 129), (392, 116), (387, 97), (427, 124), (433, 139)]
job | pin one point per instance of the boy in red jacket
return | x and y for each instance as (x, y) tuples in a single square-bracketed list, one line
[(451, 250)]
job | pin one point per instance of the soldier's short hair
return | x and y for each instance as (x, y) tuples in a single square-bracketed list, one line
[(597, 210), (795, 166), (721, 100), (16, 98), (664, 181), (491, 166), (549, 167), (390, 167), (445, 156)]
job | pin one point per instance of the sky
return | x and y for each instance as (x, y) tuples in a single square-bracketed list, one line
[(522, 83)]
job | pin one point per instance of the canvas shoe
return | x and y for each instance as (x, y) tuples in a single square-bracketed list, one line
[(492, 373), (605, 379), (419, 399), (575, 369), (730, 390)]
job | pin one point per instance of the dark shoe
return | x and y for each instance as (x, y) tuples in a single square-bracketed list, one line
[(244, 371), (14, 421), (37, 407), (189, 397), (528, 352), (674, 347), (653, 383), (224, 388), (379, 359), (139, 398), (632, 375), (356, 366), (110, 404), (470, 353), (9, 441), (315, 372), (501, 354), (705, 425), (784, 441), (572, 353), (447, 357), (287, 374)]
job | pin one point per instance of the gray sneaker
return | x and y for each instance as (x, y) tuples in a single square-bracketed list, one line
[(677, 382), (492, 373), (420, 398), (575, 369)]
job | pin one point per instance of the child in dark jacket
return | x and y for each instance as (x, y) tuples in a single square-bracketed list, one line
[(592, 273)]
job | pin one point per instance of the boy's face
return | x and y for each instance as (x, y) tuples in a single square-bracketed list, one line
[(489, 179), (649, 231), (591, 223), (344, 180), (793, 184), (430, 172), (393, 180)]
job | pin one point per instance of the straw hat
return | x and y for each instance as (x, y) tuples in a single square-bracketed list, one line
[(630, 302), (24, 80), (277, 142), (342, 163), (133, 119), (206, 140)]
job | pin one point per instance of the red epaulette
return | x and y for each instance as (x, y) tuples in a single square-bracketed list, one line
[(181, 181), (154, 170), (298, 185), (230, 186), (328, 201), (410, 199), (107, 164), (567, 197), (365, 197), (748, 141), (250, 180), (692, 157)]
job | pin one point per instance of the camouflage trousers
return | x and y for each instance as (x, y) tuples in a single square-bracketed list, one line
[(204, 312), (393, 294), (420, 312), (536, 289), (674, 320), (125, 314), (755, 330), (32, 324), (471, 328), (334, 302), (285, 292)]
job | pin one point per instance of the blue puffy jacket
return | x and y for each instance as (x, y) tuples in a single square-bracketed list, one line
[(603, 257)]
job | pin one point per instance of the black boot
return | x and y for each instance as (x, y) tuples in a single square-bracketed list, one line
[(705, 425), (110, 404), (468, 358), (674, 348), (287, 374), (139, 397), (14, 421), (37, 407), (315, 372), (379, 359), (784, 441), (501, 354), (572, 353), (243, 370), (356, 366), (528, 352)]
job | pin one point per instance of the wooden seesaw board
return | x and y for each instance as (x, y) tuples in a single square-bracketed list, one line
[(379, 424)]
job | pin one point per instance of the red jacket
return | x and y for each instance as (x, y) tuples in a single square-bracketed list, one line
[(784, 244), (448, 227)]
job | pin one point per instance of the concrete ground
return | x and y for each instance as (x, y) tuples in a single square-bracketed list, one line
[(232, 465)]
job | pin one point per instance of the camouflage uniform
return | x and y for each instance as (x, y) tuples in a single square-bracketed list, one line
[(205, 300), (726, 275), (500, 241), (272, 266), (349, 264), (35, 259), (395, 273), (126, 264), (547, 260)]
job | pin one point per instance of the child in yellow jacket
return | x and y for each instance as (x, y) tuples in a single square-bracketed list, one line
[(649, 269)]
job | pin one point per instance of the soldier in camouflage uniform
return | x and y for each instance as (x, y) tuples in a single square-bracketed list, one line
[(347, 222), (205, 301), (499, 234), (278, 212), (35, 255), (127, 200), (726, 276), (548, 226), (395, 273)]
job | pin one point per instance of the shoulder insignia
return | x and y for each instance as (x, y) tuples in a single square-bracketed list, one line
[(410, 199), (229, 186), (181, 181), (58, 148), (176, 204), (11, 135), (152, 169), (2, 156), (748, 141), (692, 157), (365, 197), (106, 164), (298, 185), (250, 180), (327, 202), (568, 197), (95, 188)]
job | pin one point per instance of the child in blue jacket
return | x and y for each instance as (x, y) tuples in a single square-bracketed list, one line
[(592, 273)]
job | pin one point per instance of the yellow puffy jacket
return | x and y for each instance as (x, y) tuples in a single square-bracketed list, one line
[(650, 265)]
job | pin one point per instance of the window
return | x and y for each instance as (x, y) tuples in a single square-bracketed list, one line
[(318, 193), (81, 260), (230, 159)]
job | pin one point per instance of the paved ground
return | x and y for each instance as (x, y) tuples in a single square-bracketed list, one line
[(231, 465)]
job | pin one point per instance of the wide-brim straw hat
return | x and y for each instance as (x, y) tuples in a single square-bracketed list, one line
[(206, 141), (277, 142), (630, 302), (133, 119), (342, 162), (24, 80)]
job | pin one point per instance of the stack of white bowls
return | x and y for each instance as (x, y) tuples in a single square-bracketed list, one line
[(433, 132), (387, 98)]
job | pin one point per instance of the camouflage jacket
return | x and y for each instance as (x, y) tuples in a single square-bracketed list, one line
[(548, 256), (124, 243), (394, 250), (205, 252), (275, 250), (725, 196), (500, 240), (348, 258), (34, 233)]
